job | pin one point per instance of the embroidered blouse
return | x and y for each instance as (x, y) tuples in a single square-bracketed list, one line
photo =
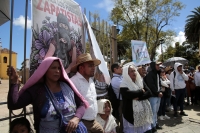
[(65, 103)]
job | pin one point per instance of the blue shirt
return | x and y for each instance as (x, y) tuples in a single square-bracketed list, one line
[(115, 82)]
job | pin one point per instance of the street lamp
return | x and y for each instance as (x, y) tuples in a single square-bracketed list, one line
[(118, 30), (161, 42)]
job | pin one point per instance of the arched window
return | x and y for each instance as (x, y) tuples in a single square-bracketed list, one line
[(4, 59)]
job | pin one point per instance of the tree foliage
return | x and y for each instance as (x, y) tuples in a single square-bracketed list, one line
[(103, 34), (192, 27), (187, 50), (122, 46), (145, 20)]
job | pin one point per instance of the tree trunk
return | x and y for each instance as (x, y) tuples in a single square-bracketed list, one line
[(153, 53)]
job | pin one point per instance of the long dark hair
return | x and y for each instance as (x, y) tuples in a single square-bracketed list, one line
[(20, 121)]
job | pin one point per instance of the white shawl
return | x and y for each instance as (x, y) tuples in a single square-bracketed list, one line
[(109, 125), (142, 112)]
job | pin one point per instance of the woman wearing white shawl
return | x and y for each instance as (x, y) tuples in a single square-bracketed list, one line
[(104, 116), (137, 113)]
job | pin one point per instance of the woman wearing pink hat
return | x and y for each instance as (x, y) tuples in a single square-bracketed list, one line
[(57, 105)]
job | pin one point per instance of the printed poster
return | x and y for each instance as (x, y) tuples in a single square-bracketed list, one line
[(57, 30), (140, 53)]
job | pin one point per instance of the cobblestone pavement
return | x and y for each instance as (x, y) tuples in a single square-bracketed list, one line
[(182, 124), (4, 112)]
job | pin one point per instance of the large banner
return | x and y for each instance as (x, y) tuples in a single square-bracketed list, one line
[(96, 53), (57, 30), (140, 53)]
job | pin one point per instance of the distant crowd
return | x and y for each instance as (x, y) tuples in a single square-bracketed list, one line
[(85, 103)]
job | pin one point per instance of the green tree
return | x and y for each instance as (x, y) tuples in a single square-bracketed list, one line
[(170, 51), (102, 32), (187, 50), (122, 46), (192, 27), (145, 19), (103, 36), (191, 52)]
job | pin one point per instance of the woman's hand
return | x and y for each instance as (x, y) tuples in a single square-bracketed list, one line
[(136, 98), (164, 77), (72, 125), (160, 94), (13, 75)]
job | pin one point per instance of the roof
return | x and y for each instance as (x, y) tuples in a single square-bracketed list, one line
[(5, 50), (4, 11)]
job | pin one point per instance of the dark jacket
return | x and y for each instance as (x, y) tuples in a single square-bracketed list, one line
[(151, 80), (35, 95), (128, 96)]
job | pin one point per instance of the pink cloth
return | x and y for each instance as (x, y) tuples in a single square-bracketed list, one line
[(40, 72)]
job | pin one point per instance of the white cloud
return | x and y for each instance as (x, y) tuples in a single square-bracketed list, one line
[(108, 5), (180, 38), (20, 21)]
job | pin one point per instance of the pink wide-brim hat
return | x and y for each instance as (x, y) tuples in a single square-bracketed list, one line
[(38, 76)]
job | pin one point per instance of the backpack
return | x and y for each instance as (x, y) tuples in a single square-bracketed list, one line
[(114, 101)]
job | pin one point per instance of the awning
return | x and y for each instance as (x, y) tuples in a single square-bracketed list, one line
[(4, 11)]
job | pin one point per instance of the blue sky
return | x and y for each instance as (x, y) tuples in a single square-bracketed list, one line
[(102, 7)]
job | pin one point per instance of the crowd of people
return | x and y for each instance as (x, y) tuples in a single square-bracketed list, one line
[(84, 102)]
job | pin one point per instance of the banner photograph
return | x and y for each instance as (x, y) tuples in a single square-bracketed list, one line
[(57, 30), (140, 53)]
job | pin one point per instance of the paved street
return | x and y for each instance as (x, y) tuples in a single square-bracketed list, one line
[(183, 124), (4, 112), (189, 124)]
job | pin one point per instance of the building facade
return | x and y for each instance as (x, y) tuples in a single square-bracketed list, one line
[(4, 62)]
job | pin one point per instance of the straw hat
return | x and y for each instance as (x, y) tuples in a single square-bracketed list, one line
[(84, 58), (158, 62), (197, 67)]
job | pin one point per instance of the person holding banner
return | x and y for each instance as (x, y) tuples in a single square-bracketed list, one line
[(62, 46), (58, 107), (100, 85)]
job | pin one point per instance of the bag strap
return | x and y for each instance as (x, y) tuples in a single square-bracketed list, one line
[(119, 88), (174, 79), (54, 104)]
